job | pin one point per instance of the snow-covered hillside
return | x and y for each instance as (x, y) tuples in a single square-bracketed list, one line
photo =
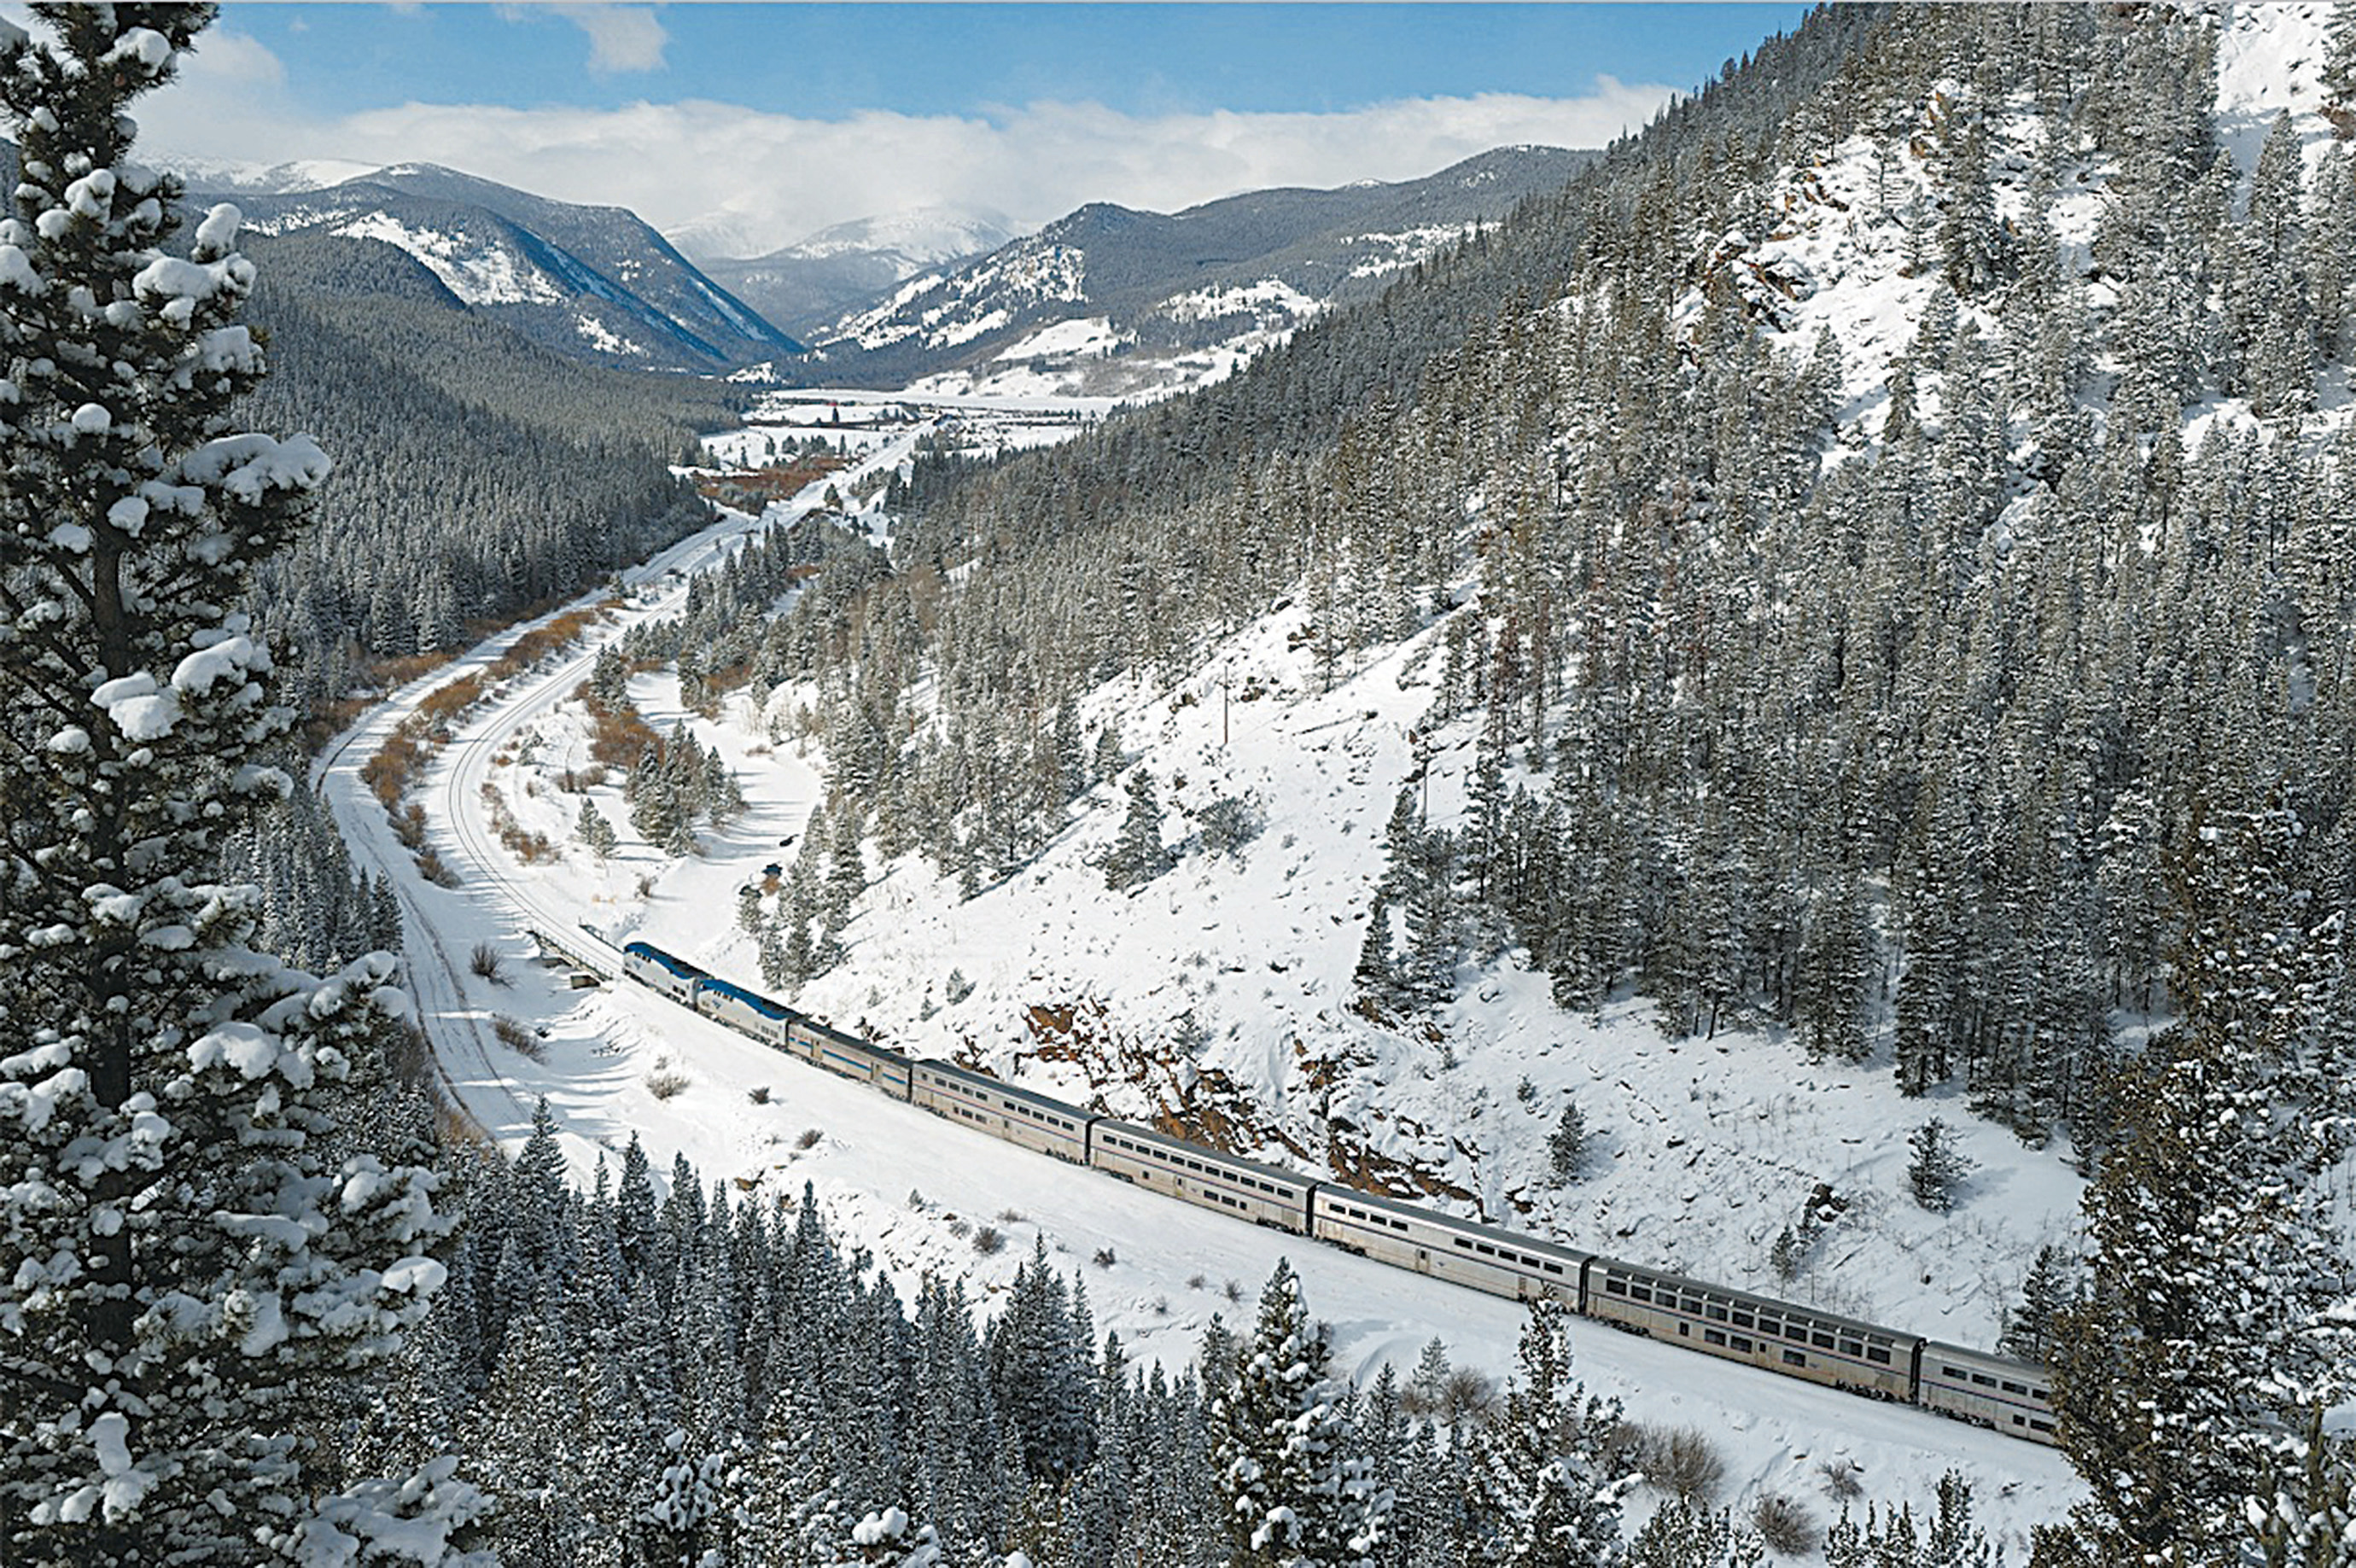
[(1246, 947)]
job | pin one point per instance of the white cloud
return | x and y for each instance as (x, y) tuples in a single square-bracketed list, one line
[(621, 38), (737, 180)]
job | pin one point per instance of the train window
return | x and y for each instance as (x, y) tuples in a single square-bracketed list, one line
[(1615, 1286), (1398, 1225), (1874, 1353), (1983, 1379), (1716, 1312), (1821, 1341), (1712, 1337), (1463, 1244), (1484, 1249), (1954, 1372), (2016, 1388), (1692, 1304), (1742, 1342), (1642, 1293), (1795, 1358), (1744, 1320), (2040, 1394), (1551, 1268), (1852, 1348), (1796, 1332), (2020, 1421), (2035, 1426)]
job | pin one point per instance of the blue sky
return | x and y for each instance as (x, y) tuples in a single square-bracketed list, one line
[(738, 128), (831, 60)]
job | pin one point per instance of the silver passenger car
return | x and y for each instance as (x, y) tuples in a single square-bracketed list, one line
[(1019, 1115), (1797, 1341), (1465, 1250), (1203, 1176), (2014, 1397)]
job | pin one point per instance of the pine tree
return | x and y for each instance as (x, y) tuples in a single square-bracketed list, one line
[(2045, 1294), (1541, 1491), (2209, 1330), (188, 1307), (1137, 856), (1294, 1495), (1567, 1145), (593, 831), (1936, 1168)]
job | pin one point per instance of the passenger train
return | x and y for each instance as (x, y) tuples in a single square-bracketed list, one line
[(2013, 1397)]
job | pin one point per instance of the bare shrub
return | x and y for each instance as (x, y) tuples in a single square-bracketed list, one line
[(517, 1037), (1195, 1282), (1467, 1394), (485, 962), (1105, 1258), (915, 1199), (809, 1138), (1680, 1461), (1844, 1479), (430, 866), (665, 1080), (759, 1094), (1234, 1289), (1010, 1216), (989, 1239), (1787, 1528)]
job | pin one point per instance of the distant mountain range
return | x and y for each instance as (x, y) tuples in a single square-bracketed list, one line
[(1107, 300), (813, 283), (1126, 303), (593, 282)]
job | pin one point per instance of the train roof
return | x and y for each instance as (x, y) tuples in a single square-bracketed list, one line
[(1188, 1145), (1029, 1096), (753, 999), (679, 966), (1773, 1304), (1986, 1357), (1411, 1211)]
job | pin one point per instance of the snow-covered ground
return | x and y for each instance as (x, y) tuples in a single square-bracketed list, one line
[(1707, 1146)]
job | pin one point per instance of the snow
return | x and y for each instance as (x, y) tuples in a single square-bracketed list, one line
[(250, 1051), (1269, 298), (136, 708), (603, 340), (1088, 335), (478, 271), (1705, 1141), (217, 232)]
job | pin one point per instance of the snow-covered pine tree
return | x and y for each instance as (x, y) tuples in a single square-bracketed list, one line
[(1293, 1494), (1539, 1490), (198, 1245)]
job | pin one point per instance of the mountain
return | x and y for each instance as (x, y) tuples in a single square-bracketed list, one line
[(1116, 301), (813, 282), (594, 283)]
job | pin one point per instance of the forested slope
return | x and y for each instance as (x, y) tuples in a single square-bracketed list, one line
[(1877, 525), (477, 473)]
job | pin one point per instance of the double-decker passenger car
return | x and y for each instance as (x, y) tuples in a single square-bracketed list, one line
[(1201, 1176), (848, 1055), (1482, 1256), (2014, 1397), (1797, 1341), (1019, 1115)]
